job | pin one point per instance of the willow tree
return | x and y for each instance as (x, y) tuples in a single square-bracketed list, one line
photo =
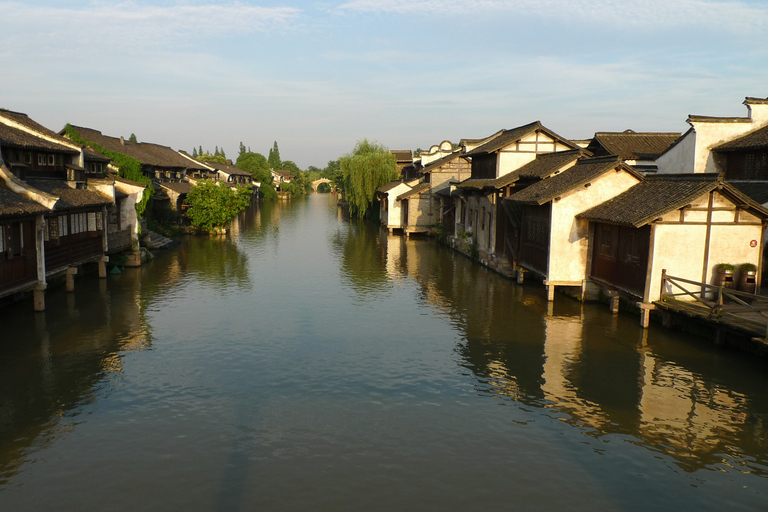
[(369, 166)]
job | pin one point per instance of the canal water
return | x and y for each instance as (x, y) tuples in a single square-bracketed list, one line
[(310, 363)]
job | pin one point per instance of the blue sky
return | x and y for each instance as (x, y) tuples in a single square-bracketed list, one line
[(318, 76)]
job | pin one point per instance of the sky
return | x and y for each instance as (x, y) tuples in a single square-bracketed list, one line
[(318, 76)]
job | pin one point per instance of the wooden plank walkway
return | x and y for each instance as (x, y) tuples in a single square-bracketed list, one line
[(716, 305), (734, 316)]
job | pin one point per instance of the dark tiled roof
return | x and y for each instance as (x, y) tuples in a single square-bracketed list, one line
[(229, 169), (389, 186), (431, 166), (145, 152), (661, 194), (508, 137), (713, 119), (631, 145), (402, 155), (580, 174), (418, 189), (18, 138), (753, 140), (180, 187), (70, 198), (756, 190), (93, 156), (476, 184), (15, 205), (546, 164)]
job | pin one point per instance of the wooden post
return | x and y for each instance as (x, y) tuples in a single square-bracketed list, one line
[(70, 278), (663, 282), (550, 293), (103, 267), (39, 296), (520, 275)]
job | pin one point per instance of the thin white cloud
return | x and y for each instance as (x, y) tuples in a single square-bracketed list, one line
[(192, 20), (734, 15)]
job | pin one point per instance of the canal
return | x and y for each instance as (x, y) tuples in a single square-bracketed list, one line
[(310, 363)]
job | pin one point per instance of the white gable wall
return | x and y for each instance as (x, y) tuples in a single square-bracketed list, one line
[(568, 243), (681, 250)]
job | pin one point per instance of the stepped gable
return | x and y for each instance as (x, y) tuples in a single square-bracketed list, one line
[(580, 174), (656, 196), (70, 198), (631, 145)]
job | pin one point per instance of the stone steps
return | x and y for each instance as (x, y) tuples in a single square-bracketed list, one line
[(155, 241)]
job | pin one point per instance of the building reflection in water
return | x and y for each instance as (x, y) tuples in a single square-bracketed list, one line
[(55, 363), (699, 404)]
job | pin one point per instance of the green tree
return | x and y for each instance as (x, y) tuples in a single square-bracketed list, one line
[(274, 157), (218, 159), (132, 138), (256, 164), (267, 191), (213, 205), (290, 166), (369, 166), (242, 150), (194, 152)]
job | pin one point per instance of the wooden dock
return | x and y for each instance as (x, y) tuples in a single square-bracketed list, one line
[(725, 309)]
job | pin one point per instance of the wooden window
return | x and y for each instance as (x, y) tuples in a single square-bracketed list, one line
[(63, 225), (41, 160), (482, 218), (91, 221), (28, 158), (51, 160), (607, 241), (2, 239), (52, 233)]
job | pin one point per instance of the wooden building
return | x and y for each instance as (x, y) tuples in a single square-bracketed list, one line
[(549, 239), (477, 208), (684, 224)]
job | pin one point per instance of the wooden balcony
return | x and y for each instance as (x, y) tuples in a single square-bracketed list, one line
[(73, 252)]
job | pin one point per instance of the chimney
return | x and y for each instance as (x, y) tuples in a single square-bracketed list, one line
[(758, 110)]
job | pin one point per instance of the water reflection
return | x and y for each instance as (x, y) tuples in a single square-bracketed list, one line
[(53, 364), (596, 371)]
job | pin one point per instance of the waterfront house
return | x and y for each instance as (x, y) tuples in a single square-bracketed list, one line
[(638, 149), (694, 151), (685, 224), (549, 240), (159, 163), (280, 176), (390, 211), (492, 163), (423, 206), (230, 174), (58, 205)]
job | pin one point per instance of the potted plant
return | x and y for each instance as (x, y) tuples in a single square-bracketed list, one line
[(724, 276), (747, 277)]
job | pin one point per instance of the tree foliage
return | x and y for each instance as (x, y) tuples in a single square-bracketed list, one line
[(256, 164), (369, 166), (217, 159), (213, 205), (133, 138), (127, 166), (274, 157)]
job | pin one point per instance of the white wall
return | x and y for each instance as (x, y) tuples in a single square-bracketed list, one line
[(568, 243)]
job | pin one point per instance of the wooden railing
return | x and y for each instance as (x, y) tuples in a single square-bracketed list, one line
[(720, 301)]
